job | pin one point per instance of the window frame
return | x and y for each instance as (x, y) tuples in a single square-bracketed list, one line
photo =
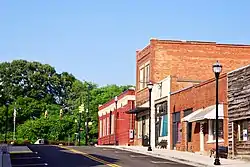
[(144, 75), (189, 124), (212, 130)]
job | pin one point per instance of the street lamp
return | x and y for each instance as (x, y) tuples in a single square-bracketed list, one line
[(217, 67), (150, 87), (86, 137), (115, 114), (81, 109)]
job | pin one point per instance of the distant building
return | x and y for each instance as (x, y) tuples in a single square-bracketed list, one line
[(116, 126)]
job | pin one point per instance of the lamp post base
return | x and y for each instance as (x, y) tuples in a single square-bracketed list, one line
[(217, 161), (149, 148)]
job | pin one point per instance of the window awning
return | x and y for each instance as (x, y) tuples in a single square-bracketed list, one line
[(206, 113), (137, 110), (188, 117)]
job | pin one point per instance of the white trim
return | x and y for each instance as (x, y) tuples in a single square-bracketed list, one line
[(214, 141), (238, 69), (188, 117), (111, 107), (147, 63)]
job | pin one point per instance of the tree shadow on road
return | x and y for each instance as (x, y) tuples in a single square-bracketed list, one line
[(60, 157)]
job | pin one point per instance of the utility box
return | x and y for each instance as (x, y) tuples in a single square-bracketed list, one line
[(131, 133)]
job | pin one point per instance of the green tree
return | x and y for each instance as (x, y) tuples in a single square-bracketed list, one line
[(33, 88)]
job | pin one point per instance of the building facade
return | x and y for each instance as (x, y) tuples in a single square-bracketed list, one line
[(193, 114), (239, 112), (115, 125), (186, 62), (160, 112)]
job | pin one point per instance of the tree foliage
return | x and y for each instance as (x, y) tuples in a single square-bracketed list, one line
[(33, 88)]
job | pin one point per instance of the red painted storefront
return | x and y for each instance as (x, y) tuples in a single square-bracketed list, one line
[(115, 123)]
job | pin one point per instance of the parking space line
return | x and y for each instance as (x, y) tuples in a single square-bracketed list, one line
[(163, 162), (20, 152), (23, 165), (91, 157), (138, 156), (122, 152), (108, 149)]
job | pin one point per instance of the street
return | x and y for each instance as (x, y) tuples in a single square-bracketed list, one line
[(55, 156)]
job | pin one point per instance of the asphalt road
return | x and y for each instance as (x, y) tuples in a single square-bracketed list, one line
[(54, 156)]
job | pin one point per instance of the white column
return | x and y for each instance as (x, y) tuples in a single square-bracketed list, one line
[(152, 141), (169, 123), (201, 138), (239, 132)]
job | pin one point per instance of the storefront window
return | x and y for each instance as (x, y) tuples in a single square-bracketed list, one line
[(243, 129), (164, 125), (220, 129), (162, 119), (139, 133)]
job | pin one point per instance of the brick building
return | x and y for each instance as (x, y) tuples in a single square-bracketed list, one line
[(115, 124), (186, 62), (192, 121)]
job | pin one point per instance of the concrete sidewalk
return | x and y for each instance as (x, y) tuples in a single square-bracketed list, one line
[(184, 157)]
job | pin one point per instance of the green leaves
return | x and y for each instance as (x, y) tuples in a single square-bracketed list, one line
[(33, 88)]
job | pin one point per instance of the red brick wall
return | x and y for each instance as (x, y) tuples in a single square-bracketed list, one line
[(196, 97), (123, 123), (189, 60)]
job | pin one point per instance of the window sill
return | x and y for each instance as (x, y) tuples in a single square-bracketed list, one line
[(214, 141)]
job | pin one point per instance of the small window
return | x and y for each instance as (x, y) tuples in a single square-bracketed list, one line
[(243, 129), (147, 73), (141, 81)]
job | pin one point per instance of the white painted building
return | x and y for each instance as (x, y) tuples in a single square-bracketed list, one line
[(160, 112)]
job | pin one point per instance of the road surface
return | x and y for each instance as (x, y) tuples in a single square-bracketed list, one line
[(55, 156)]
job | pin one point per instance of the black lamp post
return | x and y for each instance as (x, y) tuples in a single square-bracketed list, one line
[(150, 87), (81, 109), (115, 114), (217, 67), (86, 137)]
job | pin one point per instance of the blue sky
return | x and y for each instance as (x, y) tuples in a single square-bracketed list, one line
[(97, 40)]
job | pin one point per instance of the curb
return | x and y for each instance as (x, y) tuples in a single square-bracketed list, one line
[(171, 158)]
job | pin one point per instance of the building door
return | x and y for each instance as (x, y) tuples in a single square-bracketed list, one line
[(176, 128), (174, 134), (157, 127), (145, 141)]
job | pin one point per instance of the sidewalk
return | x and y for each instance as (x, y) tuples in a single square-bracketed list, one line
[(183, 157)]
